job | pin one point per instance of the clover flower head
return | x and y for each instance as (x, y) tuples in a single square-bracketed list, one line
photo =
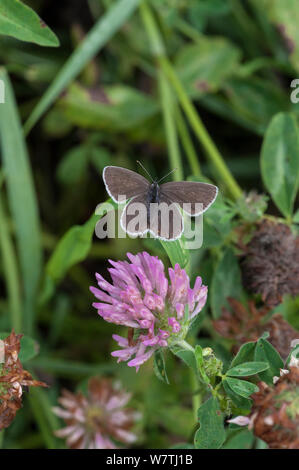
[(13, 379), (157, 310), (98, 420), (270, 265)]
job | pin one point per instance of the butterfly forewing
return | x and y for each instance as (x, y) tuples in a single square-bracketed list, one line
[(123, 182), (189, 193)]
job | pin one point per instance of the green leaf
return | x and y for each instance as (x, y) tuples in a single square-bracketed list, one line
[(200, 363), (124, 108), (240, 439), (98, 36), (202, 67), (245, 354), (226, 282), (242, 387), (21, 22), (251, 102), (200, 11), (100, 158), (186, 354), (211, 433), (29, 347), (71, 249), (265, 352), (73, 166), (159, 366), (176, 419), (176, 252), (182, 445), (240, 402), (285, 18), (247, 368), (280, 161), (22, 199)]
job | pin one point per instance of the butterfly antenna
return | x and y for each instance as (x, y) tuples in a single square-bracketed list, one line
[(163, 178), (145, 170)]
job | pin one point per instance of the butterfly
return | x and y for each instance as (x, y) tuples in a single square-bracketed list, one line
[(157, 206)]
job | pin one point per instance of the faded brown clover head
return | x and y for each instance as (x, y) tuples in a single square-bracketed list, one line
[(99, 420), (270, 262), (12, 380), (274, 416), (243, 324), (275, 412)]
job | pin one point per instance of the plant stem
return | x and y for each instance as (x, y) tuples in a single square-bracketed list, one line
[(247, 27), (170, 129), (10, 272), (188, 30), (193, 381), (196, 396), (187, 143), (224, 175)]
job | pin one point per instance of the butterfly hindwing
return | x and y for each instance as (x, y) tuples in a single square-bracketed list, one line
[(163, 220)]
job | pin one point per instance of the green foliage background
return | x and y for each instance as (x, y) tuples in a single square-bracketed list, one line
[(201, 85)]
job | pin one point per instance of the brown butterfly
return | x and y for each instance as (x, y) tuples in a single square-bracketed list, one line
[(123, 184)]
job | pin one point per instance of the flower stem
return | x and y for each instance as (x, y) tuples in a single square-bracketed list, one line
[(224, 175), (194, 382), (196, 400)]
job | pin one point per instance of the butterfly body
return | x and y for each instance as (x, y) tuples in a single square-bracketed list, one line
[(153, 194), (152, 197), (193, 197)]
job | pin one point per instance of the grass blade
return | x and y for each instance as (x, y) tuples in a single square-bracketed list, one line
[(66, 368), (98, 36), (10, 269), (45, 418), (22, 199)]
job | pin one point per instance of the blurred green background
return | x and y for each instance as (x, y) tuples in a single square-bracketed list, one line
[(235, 61)]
